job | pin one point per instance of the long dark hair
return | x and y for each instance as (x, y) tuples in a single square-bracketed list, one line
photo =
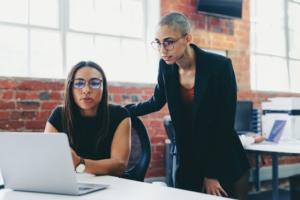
[(71, 111)]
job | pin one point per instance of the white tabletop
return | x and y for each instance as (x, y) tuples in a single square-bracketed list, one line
[(281, 147), (119, 189)]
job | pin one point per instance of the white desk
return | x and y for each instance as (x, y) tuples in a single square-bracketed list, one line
[(283, 147), (292, 147), (120, 189)]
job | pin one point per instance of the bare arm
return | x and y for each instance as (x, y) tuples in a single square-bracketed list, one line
[(49, 128), (120, 151)]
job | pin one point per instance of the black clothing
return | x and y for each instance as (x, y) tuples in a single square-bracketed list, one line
[(211, 148), (85, 139)]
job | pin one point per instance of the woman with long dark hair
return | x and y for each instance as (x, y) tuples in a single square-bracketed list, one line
[(98, 132)]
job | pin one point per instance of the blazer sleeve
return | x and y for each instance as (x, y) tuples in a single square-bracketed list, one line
[(155, 103), (222, 135)]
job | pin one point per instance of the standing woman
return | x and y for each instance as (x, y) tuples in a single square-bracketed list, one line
[(99, 133), (200, 89)]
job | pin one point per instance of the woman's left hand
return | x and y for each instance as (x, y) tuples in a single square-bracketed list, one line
[(213, 186)]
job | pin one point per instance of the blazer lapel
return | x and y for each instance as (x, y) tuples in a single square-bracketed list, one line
[(201, 79), (174, 92)]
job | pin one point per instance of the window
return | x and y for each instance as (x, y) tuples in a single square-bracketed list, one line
[(56, 34), (275, 49)]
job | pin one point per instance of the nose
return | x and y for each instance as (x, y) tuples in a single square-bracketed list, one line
[(86, 89), (162, 49)]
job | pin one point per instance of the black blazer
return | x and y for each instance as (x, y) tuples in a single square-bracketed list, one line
[(213, 148)]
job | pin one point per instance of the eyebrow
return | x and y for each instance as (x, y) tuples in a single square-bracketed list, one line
[(165, 39), (80, 78)]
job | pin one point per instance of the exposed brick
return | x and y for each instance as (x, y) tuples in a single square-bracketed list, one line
[(157, 140), (133, 90), (6, 94), (43, 115), (28, 105), (11, 125), (158, 148), (117, 98), (22, 95), (5, 105), (36, 125), (23, 115), (8, 84), (116, 90), (39, 85), (49, 105), (157, 156), (56, 96), (5, 115)]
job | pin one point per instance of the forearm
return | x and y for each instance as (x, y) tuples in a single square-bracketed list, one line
[(110, 166)]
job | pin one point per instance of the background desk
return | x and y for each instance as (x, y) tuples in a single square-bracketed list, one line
[(120, 189), (291, 147)]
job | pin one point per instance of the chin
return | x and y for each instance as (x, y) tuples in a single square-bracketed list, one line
[(169, 62)]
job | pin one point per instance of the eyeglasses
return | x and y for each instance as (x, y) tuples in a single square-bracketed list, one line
[(94, 83), (168, 43)]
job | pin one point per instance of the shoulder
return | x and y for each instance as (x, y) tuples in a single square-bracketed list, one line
[(117, 111), (209, 56), (56, 118), (57, 111), (212, 62)]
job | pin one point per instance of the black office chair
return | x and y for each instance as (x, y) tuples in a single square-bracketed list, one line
[(140, 151), (171, 152)]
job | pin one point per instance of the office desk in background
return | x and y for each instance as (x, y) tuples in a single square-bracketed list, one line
[(289, 147), (119, 189)]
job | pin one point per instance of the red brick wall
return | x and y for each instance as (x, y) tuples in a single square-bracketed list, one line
[(25, 104)]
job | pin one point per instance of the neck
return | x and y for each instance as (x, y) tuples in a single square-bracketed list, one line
[(187, 60), (89, 113)]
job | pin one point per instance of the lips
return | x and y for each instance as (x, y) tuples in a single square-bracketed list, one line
[(166, 58), (87, 99)]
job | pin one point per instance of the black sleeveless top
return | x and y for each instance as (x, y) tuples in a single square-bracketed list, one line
[(85, 140)]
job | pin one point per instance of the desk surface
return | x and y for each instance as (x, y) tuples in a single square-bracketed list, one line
[(119, 189), (282, 147)]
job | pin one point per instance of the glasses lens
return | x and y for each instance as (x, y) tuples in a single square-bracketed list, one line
[(95, 83), (169, 44), (155, 45), (79, 83)]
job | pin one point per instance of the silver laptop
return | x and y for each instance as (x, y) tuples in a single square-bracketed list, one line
[(39, 162)]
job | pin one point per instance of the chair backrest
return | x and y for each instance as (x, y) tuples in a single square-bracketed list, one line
[(171, 156), (140, 151)]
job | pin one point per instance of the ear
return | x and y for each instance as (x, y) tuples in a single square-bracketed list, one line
[(189, 38)]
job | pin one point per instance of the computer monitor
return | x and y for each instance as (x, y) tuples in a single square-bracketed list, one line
[(243, 116)]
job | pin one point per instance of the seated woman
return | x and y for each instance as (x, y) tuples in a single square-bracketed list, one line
[(98, 132)]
